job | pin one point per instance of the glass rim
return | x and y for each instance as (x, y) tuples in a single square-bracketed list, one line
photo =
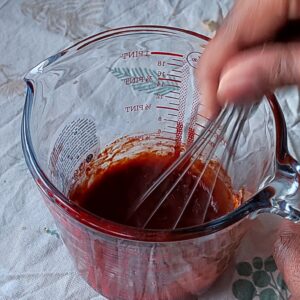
[(93, 221)]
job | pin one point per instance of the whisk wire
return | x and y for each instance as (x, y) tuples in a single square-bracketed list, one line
[(212, 126), (238, 124), (200, 146), (208, 159), (197, 150)]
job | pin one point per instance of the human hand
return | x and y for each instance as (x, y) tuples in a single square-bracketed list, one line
[(243, 61), (287, 256)]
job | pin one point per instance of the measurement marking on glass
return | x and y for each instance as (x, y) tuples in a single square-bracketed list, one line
[(166, 53), (170, 97), (172, 103), (168, 132), (166, 107), (173, 127), (180, 60), (200, 125), (168, 120), (177, 76), (173, 115), (169, 79), (202, 116), (176, 70), (170, 64), (214, 135), (174, 92)]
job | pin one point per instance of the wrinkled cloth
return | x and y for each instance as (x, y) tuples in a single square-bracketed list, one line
[(34, 263)]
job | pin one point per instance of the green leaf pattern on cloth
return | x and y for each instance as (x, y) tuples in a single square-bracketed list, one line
[(147, 80), (74, 19), (243, 289), (260, 279), (244, 268), (257, 263)]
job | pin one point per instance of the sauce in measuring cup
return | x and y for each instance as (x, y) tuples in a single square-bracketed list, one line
[(113, 193)]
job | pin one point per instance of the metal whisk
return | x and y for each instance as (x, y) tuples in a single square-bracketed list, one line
[(231, 118)]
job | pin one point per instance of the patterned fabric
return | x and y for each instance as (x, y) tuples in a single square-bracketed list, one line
[(34, 264), (74, 19)]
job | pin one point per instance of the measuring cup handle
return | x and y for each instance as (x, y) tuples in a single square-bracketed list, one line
[(282, 195)]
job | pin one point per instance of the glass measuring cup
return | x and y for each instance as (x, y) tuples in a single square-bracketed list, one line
[(138, 82)]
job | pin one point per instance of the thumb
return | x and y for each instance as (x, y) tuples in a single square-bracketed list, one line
[(252, 73), (287, 256)]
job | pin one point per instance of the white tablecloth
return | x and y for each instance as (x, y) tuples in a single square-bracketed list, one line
[(34, 263)]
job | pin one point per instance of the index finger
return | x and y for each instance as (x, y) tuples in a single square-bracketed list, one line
[(248, 24)]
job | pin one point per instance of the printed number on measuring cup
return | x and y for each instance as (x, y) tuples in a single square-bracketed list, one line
[(161, 74), (161, 63)]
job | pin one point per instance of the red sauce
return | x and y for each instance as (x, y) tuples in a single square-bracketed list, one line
[(113, 193)]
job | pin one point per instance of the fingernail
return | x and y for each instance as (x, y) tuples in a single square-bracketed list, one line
[(234, 87)]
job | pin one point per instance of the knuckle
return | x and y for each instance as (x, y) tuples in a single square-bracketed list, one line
[(283, 244), (283, 70)]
